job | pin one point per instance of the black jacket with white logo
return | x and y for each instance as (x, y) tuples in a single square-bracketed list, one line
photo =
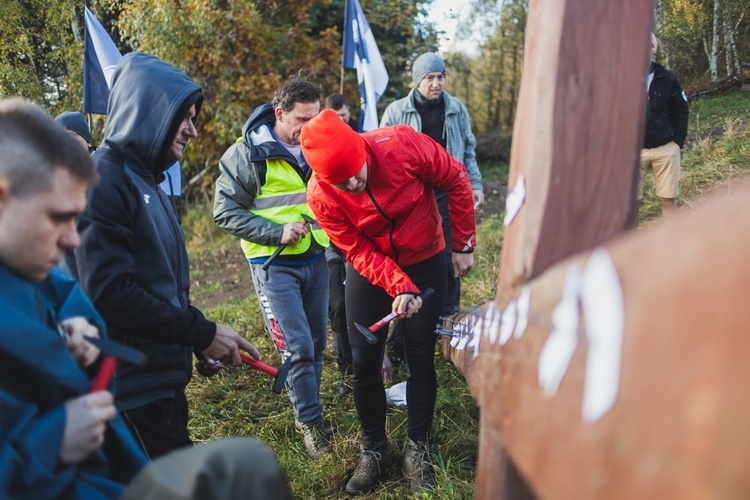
[(667, 111)]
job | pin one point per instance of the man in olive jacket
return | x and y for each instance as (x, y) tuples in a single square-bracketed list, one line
[(261, 198)]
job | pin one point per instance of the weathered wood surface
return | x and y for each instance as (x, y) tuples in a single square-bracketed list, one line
[(678, 427), (578, 131)]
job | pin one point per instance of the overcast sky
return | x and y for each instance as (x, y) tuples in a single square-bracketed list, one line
[(446, 14)]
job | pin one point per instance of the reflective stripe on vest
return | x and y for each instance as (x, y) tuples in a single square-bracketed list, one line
[(283, 199)]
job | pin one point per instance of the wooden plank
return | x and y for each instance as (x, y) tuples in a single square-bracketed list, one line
[(677, 428), (578, 131), (576, 140)]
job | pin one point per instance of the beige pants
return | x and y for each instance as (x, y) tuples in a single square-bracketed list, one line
[(664, 161), (224, 469)]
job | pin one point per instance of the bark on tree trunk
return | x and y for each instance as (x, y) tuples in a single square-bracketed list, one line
[(714, 61)]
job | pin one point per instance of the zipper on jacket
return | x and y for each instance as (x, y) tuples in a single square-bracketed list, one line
[(176, 230), (389, 219)]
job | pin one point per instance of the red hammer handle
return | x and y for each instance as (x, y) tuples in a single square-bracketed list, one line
[(381, 323), (258, 365), (104, 375)]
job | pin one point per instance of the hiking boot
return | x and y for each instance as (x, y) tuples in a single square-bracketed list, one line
[(374, 461), (328, 426), (417, 466), (317, 441)]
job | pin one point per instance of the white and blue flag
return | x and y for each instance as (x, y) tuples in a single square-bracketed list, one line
[(100, 58), (361, 52)]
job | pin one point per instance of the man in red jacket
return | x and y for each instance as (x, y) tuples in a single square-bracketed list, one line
[(372, 193)]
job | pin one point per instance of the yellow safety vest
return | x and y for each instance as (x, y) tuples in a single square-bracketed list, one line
[(282, 199)]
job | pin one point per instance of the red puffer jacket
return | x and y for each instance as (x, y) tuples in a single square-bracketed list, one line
[(395, 222)]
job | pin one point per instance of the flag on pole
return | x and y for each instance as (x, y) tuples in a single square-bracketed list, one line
[(361, 52), (100, 58)]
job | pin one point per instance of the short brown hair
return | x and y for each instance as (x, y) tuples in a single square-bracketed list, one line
[(297, 89), (336, 102), (33, 146)]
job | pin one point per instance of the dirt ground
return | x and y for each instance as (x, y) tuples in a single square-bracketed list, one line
[(221, 273)]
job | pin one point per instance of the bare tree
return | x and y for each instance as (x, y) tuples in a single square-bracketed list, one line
[(714, 60)]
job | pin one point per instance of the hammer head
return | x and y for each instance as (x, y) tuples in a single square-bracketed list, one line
[(280, 379), (119, 351), (369, 336), (308, 219)]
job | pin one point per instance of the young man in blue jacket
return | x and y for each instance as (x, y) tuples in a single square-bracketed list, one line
[(57, 440), (429, 109)]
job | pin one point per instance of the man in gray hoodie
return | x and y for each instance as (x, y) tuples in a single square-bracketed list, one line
[(132, 261)]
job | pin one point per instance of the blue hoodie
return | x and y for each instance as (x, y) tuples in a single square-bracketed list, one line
[(37, 376)]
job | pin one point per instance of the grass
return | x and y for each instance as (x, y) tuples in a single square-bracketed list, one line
[(239, 402)]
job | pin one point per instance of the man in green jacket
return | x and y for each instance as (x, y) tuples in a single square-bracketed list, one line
[(261, 198)]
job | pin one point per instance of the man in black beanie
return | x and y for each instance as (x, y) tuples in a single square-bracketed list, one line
[(132, 261), (75, 123)]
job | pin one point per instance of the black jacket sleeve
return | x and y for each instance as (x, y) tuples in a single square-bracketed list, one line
[(678, 109), (107, 271)]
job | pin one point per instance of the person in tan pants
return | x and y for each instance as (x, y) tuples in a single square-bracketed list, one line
[(666, 130)]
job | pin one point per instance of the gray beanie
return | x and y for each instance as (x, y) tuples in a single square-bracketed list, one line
[(427, 63), (75, 122)]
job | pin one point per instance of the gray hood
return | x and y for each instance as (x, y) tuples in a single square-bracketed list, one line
[(148, 100)]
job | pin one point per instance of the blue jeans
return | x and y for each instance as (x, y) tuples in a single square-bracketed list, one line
[(294, 302)]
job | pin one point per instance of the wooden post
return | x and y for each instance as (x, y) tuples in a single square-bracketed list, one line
[(575, 145), (676, 426)]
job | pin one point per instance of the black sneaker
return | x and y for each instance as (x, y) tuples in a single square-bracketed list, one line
[(374, 461), (317, 441), (417, 466), (344, 389)]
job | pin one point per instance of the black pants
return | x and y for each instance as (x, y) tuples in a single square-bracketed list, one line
[(453, 297), (365, 304), (337, 313), (160, 426)]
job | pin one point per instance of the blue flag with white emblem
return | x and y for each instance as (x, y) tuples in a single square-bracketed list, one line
[(361, 52)]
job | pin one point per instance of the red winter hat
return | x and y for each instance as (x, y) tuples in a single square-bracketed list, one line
[(332, 149)]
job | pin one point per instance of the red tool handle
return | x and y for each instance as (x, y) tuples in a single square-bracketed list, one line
[(258, 365), (104, 375), (381, 323), (387, 319)]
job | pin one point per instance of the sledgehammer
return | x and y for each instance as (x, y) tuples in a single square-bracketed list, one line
[(279, 374), (369, 332)]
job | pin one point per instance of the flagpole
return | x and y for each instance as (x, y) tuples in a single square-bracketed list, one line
[(341, 84)]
